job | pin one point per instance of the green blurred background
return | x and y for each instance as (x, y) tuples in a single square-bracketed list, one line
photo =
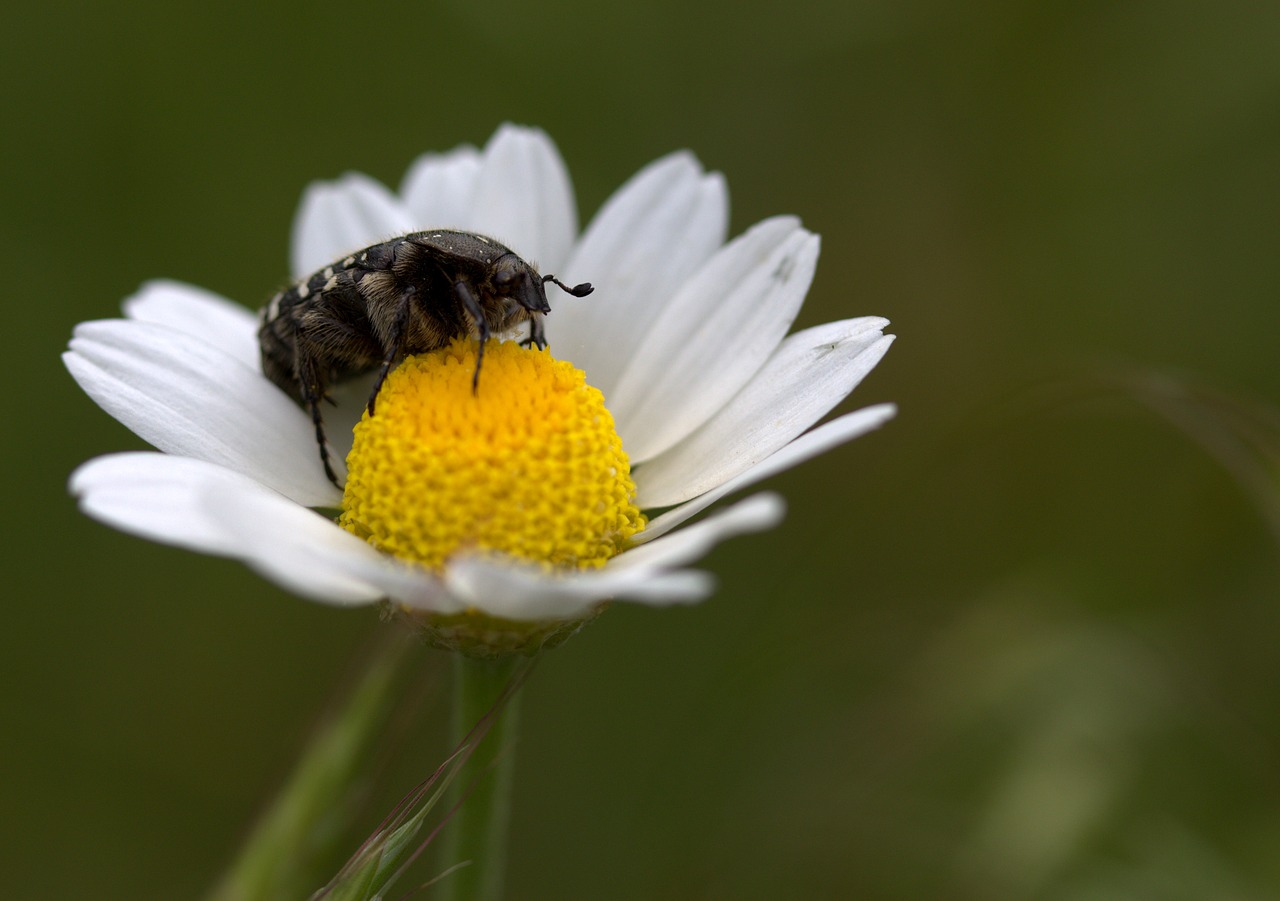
[(1019, 644)]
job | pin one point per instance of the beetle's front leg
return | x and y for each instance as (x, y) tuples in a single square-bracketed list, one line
[(537, 334)]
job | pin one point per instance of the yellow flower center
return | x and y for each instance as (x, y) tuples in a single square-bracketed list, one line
[(530, 465)]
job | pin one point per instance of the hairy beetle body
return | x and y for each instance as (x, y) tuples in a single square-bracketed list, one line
[(412, 294)]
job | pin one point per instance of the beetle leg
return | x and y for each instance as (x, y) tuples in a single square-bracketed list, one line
[(312, 394), (398, 328), (472, 307), (537, 335)]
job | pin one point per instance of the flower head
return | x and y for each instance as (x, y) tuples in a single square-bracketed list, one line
[(512, 511), (531, 467)]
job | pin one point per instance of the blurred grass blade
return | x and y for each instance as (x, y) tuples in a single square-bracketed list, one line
[(388, 853), (380, 860), (1242, 436), (281, 857)]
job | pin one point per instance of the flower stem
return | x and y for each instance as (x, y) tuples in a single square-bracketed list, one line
[(477, 833)]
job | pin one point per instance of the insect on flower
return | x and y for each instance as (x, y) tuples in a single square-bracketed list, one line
[(709, 392), (409, 295)]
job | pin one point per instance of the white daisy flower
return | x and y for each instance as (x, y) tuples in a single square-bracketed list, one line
[(685, 339)]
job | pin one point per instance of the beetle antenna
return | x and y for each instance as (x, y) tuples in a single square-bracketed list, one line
[(581, 290)]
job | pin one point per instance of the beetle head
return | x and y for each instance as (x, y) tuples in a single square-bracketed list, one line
[(515, 279)]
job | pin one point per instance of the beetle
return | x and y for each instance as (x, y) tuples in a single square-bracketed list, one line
[(408, 295)]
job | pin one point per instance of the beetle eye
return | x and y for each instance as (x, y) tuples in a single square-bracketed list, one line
[(505, 278)]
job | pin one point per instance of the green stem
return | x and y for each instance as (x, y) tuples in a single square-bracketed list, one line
[(477, 833), (283, 853)]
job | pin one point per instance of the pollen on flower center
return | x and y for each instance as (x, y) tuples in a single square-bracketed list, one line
[(529, 466)]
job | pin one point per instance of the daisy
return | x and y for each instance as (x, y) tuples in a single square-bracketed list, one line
[(673, 385)]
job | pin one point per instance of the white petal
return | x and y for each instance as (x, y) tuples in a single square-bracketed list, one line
[(717, 333), (186, 397), (337, 217), (647, 239), (811, 444), (513, 590), (809, 373), (215, 320), (524, 197), (755, 514), (647, 574), (406, 583), (680, 586), (206, 508), (438, 189)]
